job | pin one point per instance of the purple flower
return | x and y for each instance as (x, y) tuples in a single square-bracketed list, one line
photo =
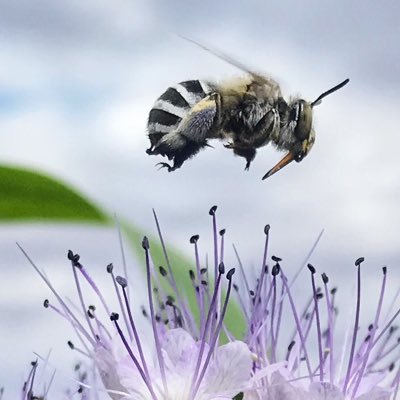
[(361, 367), (184, 360), (290, 352)]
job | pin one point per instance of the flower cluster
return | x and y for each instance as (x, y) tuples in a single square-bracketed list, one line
[(287, 352)]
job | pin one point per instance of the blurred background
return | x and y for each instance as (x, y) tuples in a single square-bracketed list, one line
[(77, 80)]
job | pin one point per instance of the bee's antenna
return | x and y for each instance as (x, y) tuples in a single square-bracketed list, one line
[(220, 55), (328, 92)]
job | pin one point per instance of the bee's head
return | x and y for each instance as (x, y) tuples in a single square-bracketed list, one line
[(300, 115)]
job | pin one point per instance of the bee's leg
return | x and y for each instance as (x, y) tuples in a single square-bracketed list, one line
[(192, 133), (265, 127), (247, 152)]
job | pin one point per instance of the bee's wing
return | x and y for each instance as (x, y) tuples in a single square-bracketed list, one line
[(225, 57)]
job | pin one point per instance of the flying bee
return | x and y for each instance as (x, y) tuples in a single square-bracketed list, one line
[(247, 113)]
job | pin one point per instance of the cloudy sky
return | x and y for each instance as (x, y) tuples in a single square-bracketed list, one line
[(77, 80)]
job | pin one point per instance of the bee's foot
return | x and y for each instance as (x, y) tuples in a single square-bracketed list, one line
[(151, 151), (165, 165)]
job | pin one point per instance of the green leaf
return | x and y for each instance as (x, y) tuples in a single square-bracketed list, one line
[(180, 265), (27, 195)]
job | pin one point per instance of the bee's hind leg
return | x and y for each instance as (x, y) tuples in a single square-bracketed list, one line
[(170, 168)]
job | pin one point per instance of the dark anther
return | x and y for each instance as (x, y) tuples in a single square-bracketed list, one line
[(235, 287), (191, 274), (92, 307), (221, 268), (320, 296), (80, 390), (359, 261), (275, 269), (145, 243), (70, 345), (319, 289), (77, 367), (203, 271), (222, 232), (311, 268), (384, 270), (74, 258), (194, 239), (307, 316), (334, 290), (276, 259), (46, 303), (392, 329), (197, 289), (204, 283), (34, 363), (367, 338), (110, 268), (251, 293), (114, 316), (267, 228), (266, 269), (212, 210), (370, 327), (162, 270), (144, 312), (290, 347), (121, 281), (325, 278), (391, 366), (230, 274), (158, 318), (90, 314), (166, 321)]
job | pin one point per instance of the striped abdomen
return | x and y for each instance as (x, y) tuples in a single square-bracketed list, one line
[(172, 106)]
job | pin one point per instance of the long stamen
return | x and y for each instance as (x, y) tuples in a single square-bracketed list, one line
[(330, 311), (114, 318), (210, 314), (319, 335), (275, 272), (91, 282), (298, 325), (280, 310), (212, 212), (194, 240), (74, 258), (146, 247), (356, 322), (374, 328), (123, 283), (216, 333)]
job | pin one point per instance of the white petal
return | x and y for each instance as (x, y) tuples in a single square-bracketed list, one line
[(228, 372), (325, 391), (177, 343), (376, 393)]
